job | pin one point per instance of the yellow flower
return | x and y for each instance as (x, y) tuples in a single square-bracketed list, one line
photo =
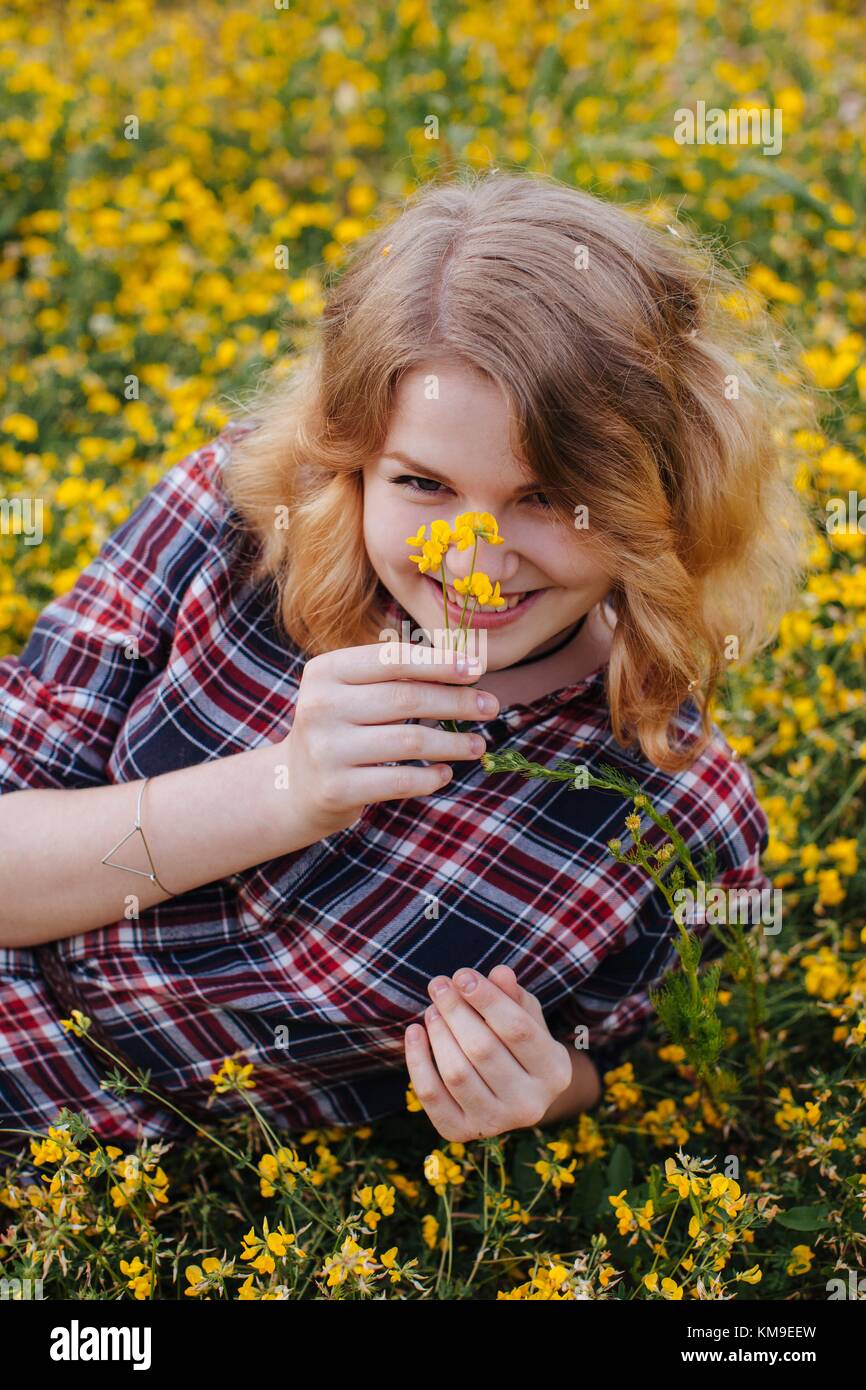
[(260, 1250), (830, 890), (352, 1260), (139, 1176), (278, 1171), (829, 369), (78, 1024), (23, 427), (826, 975), (629, 1219), (478, 586), (468, 528), (433, 551), (139, 1277), (682, 1183), (57, 1148), (384, 1197), (844, 853), (197, 1276), (430, 558), (801, 1262), (471, 524), (233, 1077), (440, 1170), (555, 1173)]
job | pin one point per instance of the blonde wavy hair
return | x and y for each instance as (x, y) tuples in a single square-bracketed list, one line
[(646, 384)]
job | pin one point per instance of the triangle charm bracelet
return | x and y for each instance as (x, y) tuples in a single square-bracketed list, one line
[(137, 828)]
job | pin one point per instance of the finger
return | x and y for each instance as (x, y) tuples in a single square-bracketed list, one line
[(363, 785), (399, 700), (505, 978), (523, 1035), (394, 660), (462, 1081), (395, 742), (444, 1112), (496, 1066)]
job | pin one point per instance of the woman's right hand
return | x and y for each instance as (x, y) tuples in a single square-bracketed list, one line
[(349, 717)]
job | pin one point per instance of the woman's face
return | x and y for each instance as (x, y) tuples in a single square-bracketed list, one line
[(447, 451)]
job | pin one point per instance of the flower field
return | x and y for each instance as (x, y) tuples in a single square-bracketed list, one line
[(179, 183)]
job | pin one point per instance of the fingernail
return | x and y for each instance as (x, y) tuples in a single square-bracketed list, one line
[(466, 981), (467, 666), (487, 704), (439, 986), (432, 1013)]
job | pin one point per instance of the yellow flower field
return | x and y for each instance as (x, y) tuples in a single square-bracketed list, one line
[(180, 181)]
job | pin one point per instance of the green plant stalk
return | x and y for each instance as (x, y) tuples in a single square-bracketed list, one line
[(238, 1158), (698, 1024), (455, 726)]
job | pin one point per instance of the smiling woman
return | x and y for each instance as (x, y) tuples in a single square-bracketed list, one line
[(461, 421), (458, 421), (307, 803), (465, 362)]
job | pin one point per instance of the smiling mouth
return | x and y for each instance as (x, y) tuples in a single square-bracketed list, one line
[(512, 601)]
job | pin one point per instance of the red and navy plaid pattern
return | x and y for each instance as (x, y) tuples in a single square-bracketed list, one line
[(313, 964)]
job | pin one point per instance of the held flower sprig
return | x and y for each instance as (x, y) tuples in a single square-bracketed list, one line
[(468, 528), (686, 1000)]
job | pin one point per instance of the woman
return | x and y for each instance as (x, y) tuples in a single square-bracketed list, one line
[(317, 853)]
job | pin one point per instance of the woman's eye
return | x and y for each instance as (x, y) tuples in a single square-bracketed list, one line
[(411, 481)]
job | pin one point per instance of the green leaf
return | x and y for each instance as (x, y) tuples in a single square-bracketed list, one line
[(619, 1170), (591, 1192), (804, 1218), (525, 1157)]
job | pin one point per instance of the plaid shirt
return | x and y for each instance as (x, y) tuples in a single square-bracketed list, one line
[(313, 964)]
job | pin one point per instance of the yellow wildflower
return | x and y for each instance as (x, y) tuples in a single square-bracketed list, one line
[(801, 1261), (139, 1277), (233, 1077)]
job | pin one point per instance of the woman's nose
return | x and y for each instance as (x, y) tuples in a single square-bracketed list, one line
[(459, 564)]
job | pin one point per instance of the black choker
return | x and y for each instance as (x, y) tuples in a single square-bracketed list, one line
[(569, 637)]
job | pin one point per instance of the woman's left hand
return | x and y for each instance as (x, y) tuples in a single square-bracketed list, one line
[(499, 1068)]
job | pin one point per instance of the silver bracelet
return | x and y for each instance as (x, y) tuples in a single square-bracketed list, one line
[(137, 827)]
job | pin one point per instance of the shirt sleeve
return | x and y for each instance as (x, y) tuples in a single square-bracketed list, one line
[(614, 1001), (91, 651)]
